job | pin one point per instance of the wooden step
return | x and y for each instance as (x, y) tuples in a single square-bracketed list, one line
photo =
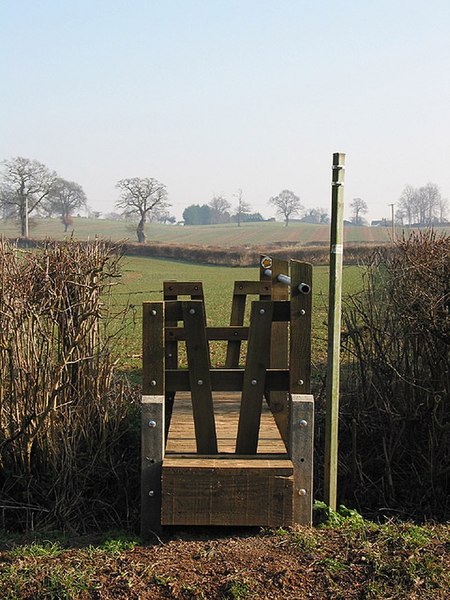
[(227, 490)]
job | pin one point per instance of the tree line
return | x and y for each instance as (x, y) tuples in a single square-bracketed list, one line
[(28, 187)]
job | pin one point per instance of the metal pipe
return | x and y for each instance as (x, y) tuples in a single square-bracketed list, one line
[(303, 288)]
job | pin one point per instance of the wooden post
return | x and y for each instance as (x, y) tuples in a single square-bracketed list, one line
[(152, 416), (301, 448), (334, 330), (278, 401), (300, 335), (152, 454)]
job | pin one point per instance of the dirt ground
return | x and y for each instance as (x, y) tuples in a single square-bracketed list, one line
[(296, 564)]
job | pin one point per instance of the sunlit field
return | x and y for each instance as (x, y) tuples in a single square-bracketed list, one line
[(218, 235), (143, 278)]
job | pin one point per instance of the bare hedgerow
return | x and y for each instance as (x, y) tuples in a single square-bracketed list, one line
[(396, 404), (65, 419)]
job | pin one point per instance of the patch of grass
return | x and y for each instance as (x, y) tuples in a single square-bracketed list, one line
[(48, 549), (118, 544), (237, 589)]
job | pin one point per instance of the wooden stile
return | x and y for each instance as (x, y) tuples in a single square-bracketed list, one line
[(241, 473)]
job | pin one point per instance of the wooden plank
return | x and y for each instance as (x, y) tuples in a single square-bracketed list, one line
[(228, 492), (199, 376), (301, 448), (152, 454), (300, 334), (173, 289), (237, 318), (258, 356), (226, 413), (226, 380), (153, 348), (212, 333), (257, 288), (278, 401)]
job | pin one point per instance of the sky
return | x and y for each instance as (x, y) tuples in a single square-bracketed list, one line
[(209, 96)]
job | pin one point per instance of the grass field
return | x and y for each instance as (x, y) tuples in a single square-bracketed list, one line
[(142, 281), (216, 235)]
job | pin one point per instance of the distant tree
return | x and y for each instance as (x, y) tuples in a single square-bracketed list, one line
[(424, 205), (316, 216), (242, 208), (140, 196), (197, 215), (286, 204), (65, 198), (219, 210), (249, 218), (359, 207), (24, 184)]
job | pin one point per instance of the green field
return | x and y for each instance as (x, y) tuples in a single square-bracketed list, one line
[(217, 235), (142, 281)]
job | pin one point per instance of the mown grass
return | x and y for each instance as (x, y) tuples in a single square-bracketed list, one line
[(143, 278)]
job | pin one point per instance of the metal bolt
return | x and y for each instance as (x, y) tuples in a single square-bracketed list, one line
[(261, 311), (153, 383), (304, 288), (152, 424), (300, 382), (170, 355), (303, 312), (154, 313), (302, 492), (254, 381), (200, 382), (192, 311), (151, 493), (303, 423)]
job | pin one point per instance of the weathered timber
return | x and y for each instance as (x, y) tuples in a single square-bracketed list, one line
[(199, 376), (153, 358), (257, 362), (301, 448), (152, 454), (300, 332)]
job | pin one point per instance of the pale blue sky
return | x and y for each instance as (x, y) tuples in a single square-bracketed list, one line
[(213, 95)]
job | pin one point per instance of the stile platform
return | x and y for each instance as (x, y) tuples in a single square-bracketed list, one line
[(226, 488)]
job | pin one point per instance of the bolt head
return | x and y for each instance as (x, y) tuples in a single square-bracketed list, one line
[(200, 382), (301, 492), (261, 311), (303, 312), (192, 311), (151, 493), (300, 382), (254, 381), (154, 313), (152, 424), (303, 423), (153, 383)]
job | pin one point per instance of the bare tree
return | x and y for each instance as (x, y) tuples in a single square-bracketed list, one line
[(359, 207), (424, 205), (242, 207), (287, 204), (140, 196), (219, 209), (25, 183), (64, 199)]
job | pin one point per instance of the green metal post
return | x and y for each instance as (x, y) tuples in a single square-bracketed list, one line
[(334, 329)]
